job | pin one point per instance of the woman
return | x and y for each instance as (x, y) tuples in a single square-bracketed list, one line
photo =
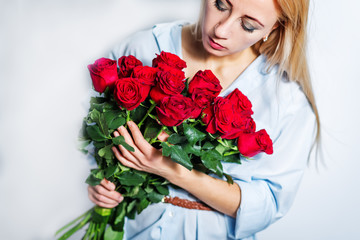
[(258, 47)]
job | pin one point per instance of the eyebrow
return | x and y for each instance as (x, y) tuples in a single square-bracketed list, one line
[(254, 20)]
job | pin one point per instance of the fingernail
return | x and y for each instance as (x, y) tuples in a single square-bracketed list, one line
[(130, 123), (121, 198)]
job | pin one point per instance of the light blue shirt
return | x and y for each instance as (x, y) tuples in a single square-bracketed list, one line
[(268, 183)]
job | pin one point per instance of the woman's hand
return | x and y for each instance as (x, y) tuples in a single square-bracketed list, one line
[(145, 157), (104, 194)]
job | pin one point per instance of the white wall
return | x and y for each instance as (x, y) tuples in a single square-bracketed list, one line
[(45, 47)]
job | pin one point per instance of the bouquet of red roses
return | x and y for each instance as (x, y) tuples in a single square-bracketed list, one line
[(204, 130)]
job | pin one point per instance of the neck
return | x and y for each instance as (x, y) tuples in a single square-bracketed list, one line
[(196, 48)]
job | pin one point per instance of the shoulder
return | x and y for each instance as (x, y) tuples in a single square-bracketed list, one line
[(139, 44), (146, 43)]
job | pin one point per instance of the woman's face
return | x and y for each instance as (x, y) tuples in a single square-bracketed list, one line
[(230, 26)]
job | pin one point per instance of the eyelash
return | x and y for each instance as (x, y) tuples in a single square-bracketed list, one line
[(221, 9)]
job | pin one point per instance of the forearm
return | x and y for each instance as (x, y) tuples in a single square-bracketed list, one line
[(217, 193)]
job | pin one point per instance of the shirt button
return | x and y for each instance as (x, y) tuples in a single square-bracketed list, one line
[(171, 214)]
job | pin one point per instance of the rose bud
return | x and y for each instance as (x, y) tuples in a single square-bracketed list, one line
[(250, 144), (127, 64), (103, 74)]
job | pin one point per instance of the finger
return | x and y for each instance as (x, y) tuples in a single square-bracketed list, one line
[(163, 136), (139, 139), (101, 204), (107, 184), (131, 156), (123, 132), (100, 198), (113, 195), (123, 160)]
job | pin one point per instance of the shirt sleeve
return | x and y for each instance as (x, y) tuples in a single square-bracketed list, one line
[(142, 45), (269, 183)]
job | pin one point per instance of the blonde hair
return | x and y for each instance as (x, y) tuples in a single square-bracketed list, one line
[(286, 47)]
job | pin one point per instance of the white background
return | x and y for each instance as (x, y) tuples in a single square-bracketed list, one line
[(45, 46)]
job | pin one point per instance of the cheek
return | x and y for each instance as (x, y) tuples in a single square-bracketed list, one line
[(242, 40)]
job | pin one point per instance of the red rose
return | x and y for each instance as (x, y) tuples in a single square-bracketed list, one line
[(127, 64), (174, 71), (103, 73), (241, 123), (173, 110), (223, 115), (204, 88), (129, 93), (169, 59), (240, 102), (250, 144), (145, 74), (168, 84), (208, 119)]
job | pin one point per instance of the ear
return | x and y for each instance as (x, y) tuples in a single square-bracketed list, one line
[(276, 25)]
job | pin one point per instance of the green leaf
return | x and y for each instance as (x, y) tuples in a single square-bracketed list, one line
[(212, 160), (99, 145), (94, 115), (97, 100), (95, 133), (208, 146), (140, 194), (149, 189), (176, 138), (130, 191), (117, 122), (130, 179), (166, 149), (220, 149), (138, 113), (120, 140), (110, 234), (234, 158), (92, 180), (155, 197), (162, 189), (103, 125), (82, 145), (142, 205), (106, 152), (193, 149), (177, 155), (151, 129), (192, 134), (120, 212), (110, 171), (131, 206), (229, 178), (114, 119)]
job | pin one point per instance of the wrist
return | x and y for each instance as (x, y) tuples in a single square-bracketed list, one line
[(176, 174)]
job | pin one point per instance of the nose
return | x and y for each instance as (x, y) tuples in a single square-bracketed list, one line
[(223, 29)]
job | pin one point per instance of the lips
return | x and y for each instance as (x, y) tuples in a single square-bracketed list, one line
[(215, 45)]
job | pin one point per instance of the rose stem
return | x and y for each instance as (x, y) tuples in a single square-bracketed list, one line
[(155, 138), (147, 114)]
